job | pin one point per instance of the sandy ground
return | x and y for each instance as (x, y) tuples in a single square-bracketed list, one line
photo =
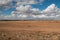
[(49, 26), (29, 30)]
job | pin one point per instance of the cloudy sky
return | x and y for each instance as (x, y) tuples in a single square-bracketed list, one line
[(29, 9)]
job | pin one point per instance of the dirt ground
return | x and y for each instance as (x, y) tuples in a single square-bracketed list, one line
[(31, 25), (30, 30)]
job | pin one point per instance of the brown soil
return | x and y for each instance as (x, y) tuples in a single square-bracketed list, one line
[(31, 25), (32, 30)]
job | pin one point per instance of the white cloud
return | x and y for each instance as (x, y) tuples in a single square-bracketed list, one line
[(51, 10), (27, 12), (23, 9), (5, 4), (4, 1), (1, 17), (27, 9), (28, 1)]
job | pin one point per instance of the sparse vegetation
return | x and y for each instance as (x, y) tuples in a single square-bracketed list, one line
[(29, 30), (28, 35)]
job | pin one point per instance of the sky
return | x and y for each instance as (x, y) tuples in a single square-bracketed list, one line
[(29, 9)]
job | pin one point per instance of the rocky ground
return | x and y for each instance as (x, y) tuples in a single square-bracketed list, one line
[(28, 35)]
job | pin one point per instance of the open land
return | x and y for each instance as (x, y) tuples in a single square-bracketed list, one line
[(30, 30)]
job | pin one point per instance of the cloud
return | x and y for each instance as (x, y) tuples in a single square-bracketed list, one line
[(4, 1), (26, 12), (28, 1), (22, 8), (51, 10), (6, 4), (27, 9)]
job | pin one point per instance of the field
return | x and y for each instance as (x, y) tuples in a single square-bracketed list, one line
[(30, 30)]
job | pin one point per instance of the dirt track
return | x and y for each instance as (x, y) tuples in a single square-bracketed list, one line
[(50, 26)]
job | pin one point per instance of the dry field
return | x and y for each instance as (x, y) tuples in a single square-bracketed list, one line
[(29, 30)]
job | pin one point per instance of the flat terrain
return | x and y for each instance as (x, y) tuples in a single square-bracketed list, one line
[(30, 30), (31, 25)]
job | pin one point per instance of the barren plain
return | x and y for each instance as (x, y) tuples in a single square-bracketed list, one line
[(30, 30)]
